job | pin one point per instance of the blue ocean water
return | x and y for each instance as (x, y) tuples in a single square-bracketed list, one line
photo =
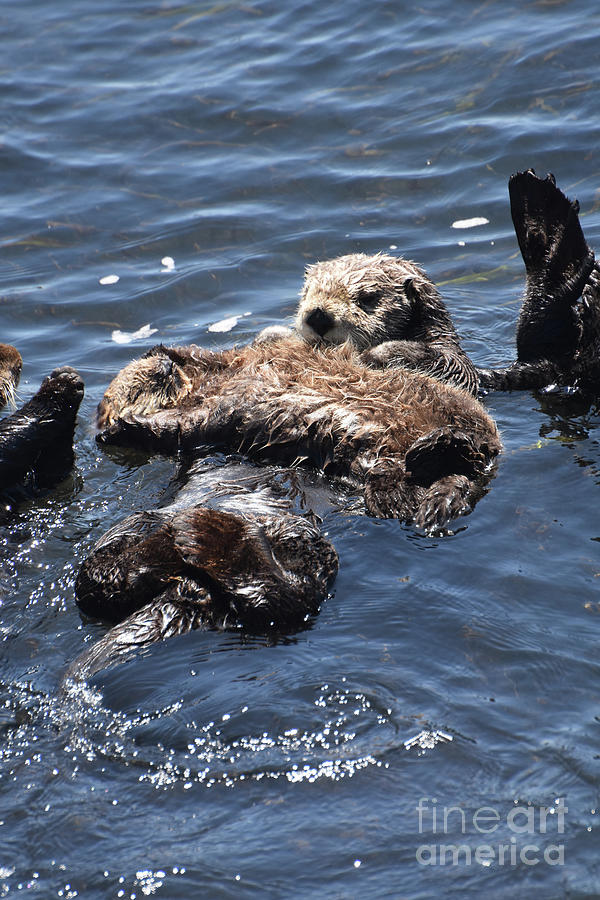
[(445, 676)]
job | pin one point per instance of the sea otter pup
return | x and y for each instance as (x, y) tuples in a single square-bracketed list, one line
[(36, 441), (387, 308)]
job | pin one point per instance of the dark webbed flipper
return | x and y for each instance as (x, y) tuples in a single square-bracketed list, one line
[(558, 334), (38, 438), (558, 264)]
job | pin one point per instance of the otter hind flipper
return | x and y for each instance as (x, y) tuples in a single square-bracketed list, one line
[(38, 438), (558, 263), (548, 230)]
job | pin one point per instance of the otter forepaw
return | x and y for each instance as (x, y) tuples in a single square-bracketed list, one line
[(442, 452), (445, 500), (388, 495), (124, 432), (158, 433), (273, 333), (409, 354)]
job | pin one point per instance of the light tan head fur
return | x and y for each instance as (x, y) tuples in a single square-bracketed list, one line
[(361, 298)]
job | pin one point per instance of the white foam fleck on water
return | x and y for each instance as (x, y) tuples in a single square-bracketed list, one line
[(127, 337), (471, 223), (224, 325)]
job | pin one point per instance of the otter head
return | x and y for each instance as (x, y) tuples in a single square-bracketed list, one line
[(10, 372), (359, 298), (145, 386)]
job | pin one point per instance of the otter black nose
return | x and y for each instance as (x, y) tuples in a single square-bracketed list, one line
[(320, 321)]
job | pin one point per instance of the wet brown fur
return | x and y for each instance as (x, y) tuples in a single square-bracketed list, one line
[(10, 373), (295, 403), (230, 552)]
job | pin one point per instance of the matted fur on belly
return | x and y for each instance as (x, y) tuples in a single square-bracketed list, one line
[(288, 401)]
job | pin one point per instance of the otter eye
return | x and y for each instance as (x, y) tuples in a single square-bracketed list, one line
[(368, 300)]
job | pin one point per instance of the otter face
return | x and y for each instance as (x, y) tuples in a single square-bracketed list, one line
[(360, 298), (10, 372), (143, 387)]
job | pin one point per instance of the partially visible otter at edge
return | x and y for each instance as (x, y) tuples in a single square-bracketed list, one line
[(409, 436), (36, 441)]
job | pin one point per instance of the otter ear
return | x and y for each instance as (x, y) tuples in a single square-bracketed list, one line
[(410, 290)]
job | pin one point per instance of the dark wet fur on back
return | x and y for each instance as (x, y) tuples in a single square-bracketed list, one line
[(168, 571)]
